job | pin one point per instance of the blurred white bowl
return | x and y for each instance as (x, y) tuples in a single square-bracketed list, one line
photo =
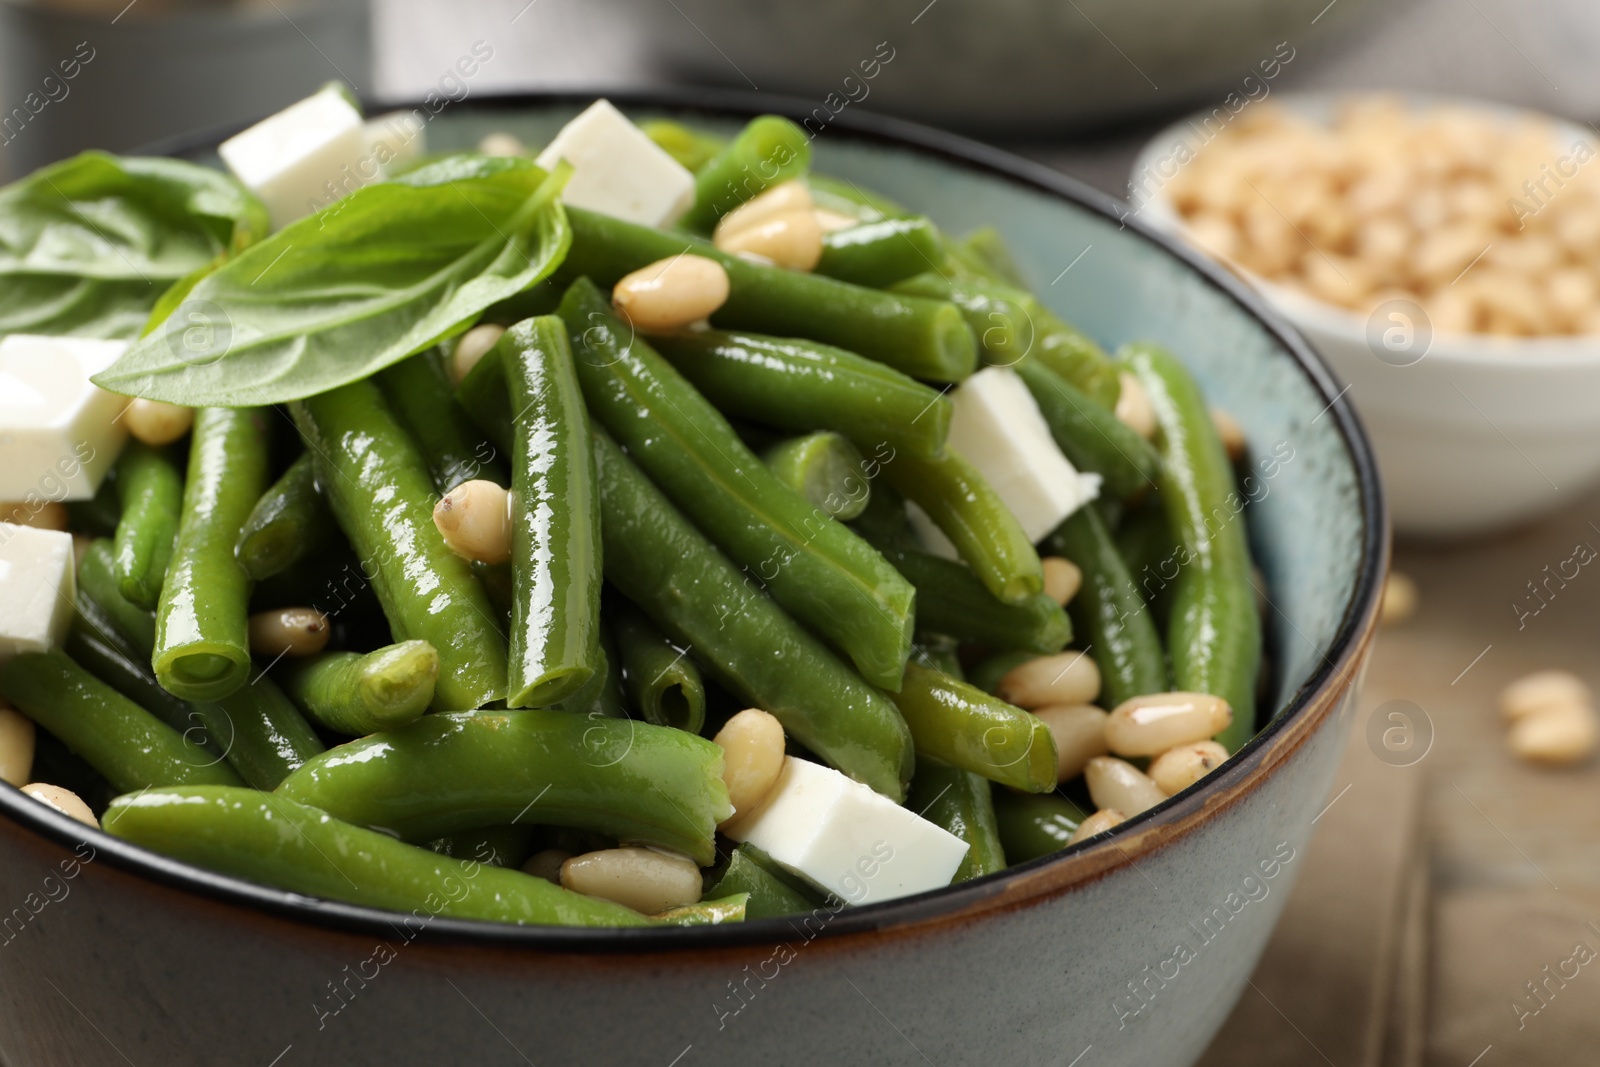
[(1473, 432)]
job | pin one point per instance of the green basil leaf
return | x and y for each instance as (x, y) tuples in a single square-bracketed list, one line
[(88, 245), (388, 271)]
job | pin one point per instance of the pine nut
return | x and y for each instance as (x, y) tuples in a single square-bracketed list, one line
[(670, 294), (792, 239), (1119, 785), (643, 879), (752, 758), (546, 864), (1147, 725), (46, 515), (1177, 769), (1543, 689), (1399, 599), (1560, 734), (17, 736), (472, 347), (63, 800), (1096, 824), (1080, 733), (156, 423), (475, 520), (289, 632), (781, 199), (1062, 579), (1064, 678), (503, 144), (1133, 406), (1231, 432)]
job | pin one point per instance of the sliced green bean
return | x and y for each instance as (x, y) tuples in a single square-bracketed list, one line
[(104, 656), (663, 681), (242, 833), (1109, 612), (1214, 634), (555, 519), (769, 151), (150, 485), (457, 771), (986, 675), (379, 488), (602, 696), (421, 393), (972, 515), (952, 600), (847, 198), (962, 803), (690, 147), (497, 846), (1089, 435), (771, 896), (290, 522), (825, 469), (987, 249), (924, 338), (97, 582), (878, 254), (1034, 824), (485, 395), (803, 386), (129, 746), (355, 695), (967, 728), (815, 567), (699, 599), (938, 652), (202, 650)]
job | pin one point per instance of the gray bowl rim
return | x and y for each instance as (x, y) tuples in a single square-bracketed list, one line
[(906, 913)]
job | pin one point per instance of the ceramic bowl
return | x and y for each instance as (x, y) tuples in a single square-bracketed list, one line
[(1473, 433), (1136, 944)]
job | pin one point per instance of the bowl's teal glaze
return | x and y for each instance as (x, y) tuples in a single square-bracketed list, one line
[(1130, 950)]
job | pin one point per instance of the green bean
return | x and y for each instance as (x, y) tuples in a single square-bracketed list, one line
[(355, 695), (97, 582), (290, 522), (1214, 634), (962, 803), (602, 696), (975, 519), (104, 656), (967, 728), (457, 771), (1076, 358), (769, 151), (952, 600), (885, 523), (923, 338), (803, 386), (692, 148), (1034, 824), (1089, 435), (986, 250), (242, 833), (555, 519), (986, 675), (938, 652), (847, 198), (816, 568), (1004, 320), (496, 846), (202, 650), (656, 558), (771, 896), (878, 254), (1109, 611), (379, 489), (129, 746), (420, 392), (825, 469), (485, 395), (663, 681), (150, 486)]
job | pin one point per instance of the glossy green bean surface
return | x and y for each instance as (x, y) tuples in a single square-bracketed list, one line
[(967, 728), (825, 469), (1089, 435), (1034, 824), (149, 483), (663, 682), (878, 254), (421, 393), (290, 522), (770, 150), (960, 802), (354, 694), (770, 895), (952, 600)]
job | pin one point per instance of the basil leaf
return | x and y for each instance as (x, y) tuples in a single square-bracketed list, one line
[(388, 271), (88, 245)]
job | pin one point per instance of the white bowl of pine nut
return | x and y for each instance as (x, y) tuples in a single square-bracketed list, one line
[(1442, 255)]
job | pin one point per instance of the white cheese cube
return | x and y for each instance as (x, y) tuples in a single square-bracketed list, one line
[(37, 589), (303, 158), (395, 138), (617, 170), (997, 427), (848, 840), (59, 433)]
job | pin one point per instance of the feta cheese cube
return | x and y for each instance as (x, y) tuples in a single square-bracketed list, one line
[(997, 427), (303, 158), (37, 588), (394, 139), (848, 840), (59, 433), (618, 170)]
